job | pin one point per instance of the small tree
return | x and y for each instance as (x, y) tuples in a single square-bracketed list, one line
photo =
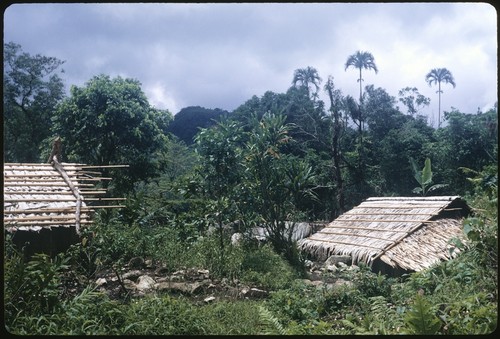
[(424, 178), (276, 182)]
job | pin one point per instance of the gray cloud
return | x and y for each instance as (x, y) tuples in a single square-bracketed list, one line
[(219, 55)]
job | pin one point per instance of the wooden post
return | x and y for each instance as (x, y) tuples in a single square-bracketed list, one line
[(75, 191), (56, 150)]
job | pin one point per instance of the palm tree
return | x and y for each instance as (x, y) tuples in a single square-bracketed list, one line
[(361, 60), (438, 75), (307, 77)]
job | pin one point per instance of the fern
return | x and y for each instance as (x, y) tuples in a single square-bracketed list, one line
[(421, 319), (271, 321)]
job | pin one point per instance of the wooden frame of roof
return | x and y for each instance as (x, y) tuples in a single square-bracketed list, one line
[(411, 233), (38, 196)]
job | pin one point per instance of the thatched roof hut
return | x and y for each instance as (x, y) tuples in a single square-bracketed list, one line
[(402, 233), (41, 200)]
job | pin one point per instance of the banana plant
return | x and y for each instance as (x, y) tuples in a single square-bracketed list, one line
[(424, 178)]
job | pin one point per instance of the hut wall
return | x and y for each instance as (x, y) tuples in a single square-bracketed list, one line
[(48, 241), (380, 266)]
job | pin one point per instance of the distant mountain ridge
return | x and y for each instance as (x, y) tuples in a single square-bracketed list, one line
[(189, 120)]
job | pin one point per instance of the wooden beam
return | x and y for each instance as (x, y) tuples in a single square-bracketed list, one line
[(109, 206), (41, 223), (399, 206), (50, 192), (39, 200), (103, 166), (43, 217), (356, 235), (102, 199), (59, 183), (386, 220), (38, 175), (391, 213), (48, 210), (363, 229)]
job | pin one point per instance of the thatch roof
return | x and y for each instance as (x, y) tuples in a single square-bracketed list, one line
[(38, 196), (411, 233)]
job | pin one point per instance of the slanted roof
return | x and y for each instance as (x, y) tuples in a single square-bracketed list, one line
[(411, 233), (38, 196)]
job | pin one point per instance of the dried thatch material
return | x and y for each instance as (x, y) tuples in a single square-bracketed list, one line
[(38, 196), (403, 232)]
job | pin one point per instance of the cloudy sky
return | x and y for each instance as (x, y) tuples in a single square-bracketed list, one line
[(219, 55)]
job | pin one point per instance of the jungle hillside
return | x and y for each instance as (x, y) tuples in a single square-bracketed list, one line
[(197, 177)]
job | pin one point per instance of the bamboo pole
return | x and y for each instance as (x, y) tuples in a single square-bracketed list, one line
[(109, 206), (356, 235), (363, 229), (107, 199), (399, 206), (95, 179), (48, 210), (42, 184), (54, 174), (27, 182), (39, 200), (29, 223), (39, 169), (104, 166), (51, 192), (42, 217), (389, 213), (75, 191), (386, 220)]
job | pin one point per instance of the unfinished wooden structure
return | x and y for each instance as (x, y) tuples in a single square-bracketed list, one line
[(393, 234), (46, 205)]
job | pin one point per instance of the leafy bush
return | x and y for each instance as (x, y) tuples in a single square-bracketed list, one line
[(32, 287), (265, 268), (371, 284), (421, 318)]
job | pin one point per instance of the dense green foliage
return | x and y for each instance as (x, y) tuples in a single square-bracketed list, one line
[(31, 90), (109, 121), (276, 160)]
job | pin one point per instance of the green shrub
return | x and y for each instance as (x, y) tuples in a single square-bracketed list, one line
[(163, 315), (371, 284), (263, 267), (32, 287), (231, 317), (223, 262)]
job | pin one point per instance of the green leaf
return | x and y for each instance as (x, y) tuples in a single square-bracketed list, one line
[(427, 172), (421, 318), (417, 174)]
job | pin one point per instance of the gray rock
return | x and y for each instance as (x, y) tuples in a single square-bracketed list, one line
[(145, 283), (129, 284), (342, 265), (132, 275), (101, 281), (180, 287), (236, 239), (336, 259), (253, 293), (209, 299), (331, 268)]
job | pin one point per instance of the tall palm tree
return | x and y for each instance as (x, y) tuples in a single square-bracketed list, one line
[(307, 77), (437, 76), (361, 60)]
